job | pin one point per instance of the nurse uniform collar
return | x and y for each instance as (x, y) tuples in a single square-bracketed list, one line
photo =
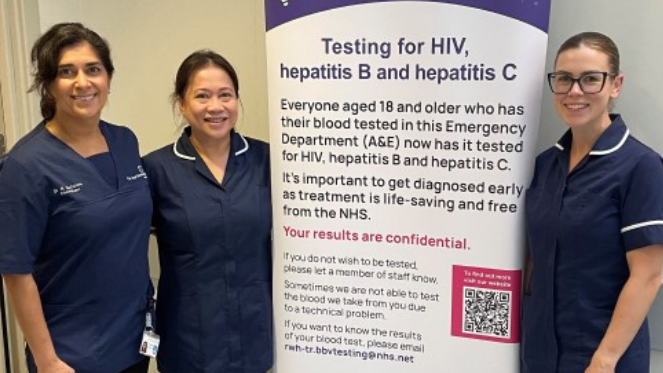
[(190, 158), (611, 140)]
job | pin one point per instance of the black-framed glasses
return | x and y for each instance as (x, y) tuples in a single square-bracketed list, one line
[(592, 82)]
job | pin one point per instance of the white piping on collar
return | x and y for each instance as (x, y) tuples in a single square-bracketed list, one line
[(190, 158), (604, 152), (614, 149), (246, 145), (177, 153)]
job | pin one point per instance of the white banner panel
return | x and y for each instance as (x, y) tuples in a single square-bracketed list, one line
[(403, 137)]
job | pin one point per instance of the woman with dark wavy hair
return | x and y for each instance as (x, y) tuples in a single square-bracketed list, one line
[(75, 210)]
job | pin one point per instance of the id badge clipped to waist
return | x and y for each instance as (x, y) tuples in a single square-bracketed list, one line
[(149, 346)]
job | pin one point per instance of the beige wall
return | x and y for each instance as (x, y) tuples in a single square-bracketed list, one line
[(149, 40)]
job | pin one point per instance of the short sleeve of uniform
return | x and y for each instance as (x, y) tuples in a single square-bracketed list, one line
[(151, 180), (24, 210), (642, 206)]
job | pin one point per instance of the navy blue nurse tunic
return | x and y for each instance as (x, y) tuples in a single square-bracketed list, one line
[(85, 243), (214, 296), (580, 225)]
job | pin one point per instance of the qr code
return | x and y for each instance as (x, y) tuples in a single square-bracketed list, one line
[(486, 312)]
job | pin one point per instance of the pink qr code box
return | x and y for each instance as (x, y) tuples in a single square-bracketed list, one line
[(486, 304)]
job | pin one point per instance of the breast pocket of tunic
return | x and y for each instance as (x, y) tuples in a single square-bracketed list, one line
[(592, 210), (252, 210), (593, 221)]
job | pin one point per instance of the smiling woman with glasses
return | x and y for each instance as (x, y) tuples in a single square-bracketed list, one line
[(589, 82), (594, 214)]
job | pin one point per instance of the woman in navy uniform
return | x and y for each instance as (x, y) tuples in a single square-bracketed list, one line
[(75, 210), (212, 214), (594, 227)]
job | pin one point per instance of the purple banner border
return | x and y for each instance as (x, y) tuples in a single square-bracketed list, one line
[(533, 12)]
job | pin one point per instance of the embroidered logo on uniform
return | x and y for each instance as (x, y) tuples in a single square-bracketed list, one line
[(140, 175), (68, 189)]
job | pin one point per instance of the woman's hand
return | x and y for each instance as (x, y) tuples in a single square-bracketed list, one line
[(24, 295), (599, 365), (56, 366), (633, 304)]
